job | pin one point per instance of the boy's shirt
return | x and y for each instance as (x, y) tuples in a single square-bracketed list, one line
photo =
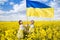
[(31, 25)]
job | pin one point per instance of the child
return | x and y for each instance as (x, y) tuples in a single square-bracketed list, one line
[(31, 29), (20, 33)]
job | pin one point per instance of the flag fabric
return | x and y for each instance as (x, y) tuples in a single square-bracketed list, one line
[(38, 9)]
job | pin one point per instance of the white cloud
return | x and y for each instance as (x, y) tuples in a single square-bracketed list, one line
[(16, 13), (53, 4), (12, 17), (20, 7), (2, 12), (2, 1), (11, 3), (57, 13), (17, 8)]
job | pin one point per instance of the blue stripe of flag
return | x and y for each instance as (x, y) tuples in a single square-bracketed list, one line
[(35, 4)]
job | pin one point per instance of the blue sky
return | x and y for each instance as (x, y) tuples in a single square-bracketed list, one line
[(16, 9), (8, 5)]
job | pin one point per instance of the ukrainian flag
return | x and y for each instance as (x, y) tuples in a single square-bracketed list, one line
[(37, 9)]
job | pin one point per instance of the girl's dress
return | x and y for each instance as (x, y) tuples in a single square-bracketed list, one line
[(21, 32), (31, 29)]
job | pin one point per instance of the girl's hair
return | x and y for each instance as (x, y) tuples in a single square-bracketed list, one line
[(32, 20), (20, 21)]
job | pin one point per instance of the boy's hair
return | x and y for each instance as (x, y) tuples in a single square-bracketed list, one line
[(20, 21), (32, 20)]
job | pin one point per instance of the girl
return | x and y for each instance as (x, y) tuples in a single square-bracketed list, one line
[(31, 29), (20, 33)]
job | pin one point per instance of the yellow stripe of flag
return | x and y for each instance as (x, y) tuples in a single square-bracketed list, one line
[(41, 12)]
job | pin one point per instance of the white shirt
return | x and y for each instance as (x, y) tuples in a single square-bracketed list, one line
[(21, 27), (31, 25)]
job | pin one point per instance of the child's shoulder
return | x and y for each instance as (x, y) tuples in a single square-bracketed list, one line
[(21, 25)]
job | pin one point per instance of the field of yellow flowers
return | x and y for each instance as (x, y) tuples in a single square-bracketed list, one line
[(44, 30)]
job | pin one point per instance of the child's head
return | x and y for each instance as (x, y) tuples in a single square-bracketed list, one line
[(32, 21), (20, 22)]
